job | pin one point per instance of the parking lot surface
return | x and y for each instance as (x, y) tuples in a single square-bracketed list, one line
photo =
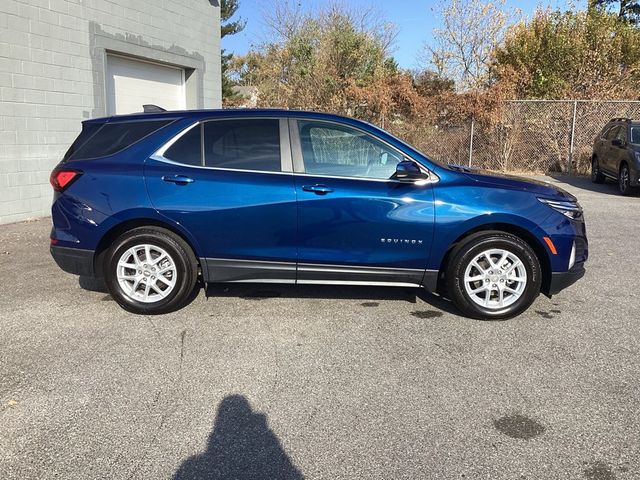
[(267, 381)]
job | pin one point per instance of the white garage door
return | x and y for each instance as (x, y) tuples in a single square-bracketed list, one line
[(132, 83)]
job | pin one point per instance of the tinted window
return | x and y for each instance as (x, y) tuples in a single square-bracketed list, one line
[(243, 144), (88, 129), (622, 134), (113, 137), (611, 133), (635, 134), (329, 149), (187, 149)]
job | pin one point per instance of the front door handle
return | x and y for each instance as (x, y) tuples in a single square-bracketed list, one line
[(179, 179), (317, 189)]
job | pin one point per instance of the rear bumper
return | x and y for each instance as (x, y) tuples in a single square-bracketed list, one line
[(562, 280), (74, 260)]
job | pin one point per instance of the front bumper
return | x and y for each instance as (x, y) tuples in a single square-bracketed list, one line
[(562, 280), (74, 260), (635, 177)]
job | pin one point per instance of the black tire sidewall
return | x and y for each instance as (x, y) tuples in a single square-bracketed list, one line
[(469, 250), (596, 175), (627, 189), (185, 271)]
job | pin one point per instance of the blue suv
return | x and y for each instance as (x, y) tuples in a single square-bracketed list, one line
[(157, 203)]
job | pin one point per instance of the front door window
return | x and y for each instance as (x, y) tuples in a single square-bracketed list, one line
[(336, 150)]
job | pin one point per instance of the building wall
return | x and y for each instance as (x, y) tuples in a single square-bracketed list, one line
[(52, 76)]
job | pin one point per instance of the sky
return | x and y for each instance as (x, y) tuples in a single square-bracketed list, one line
[(414, 19)]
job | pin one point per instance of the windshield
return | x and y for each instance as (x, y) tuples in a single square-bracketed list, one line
[(411, 149)]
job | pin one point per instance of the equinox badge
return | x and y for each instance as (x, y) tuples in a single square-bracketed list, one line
[(405, 241)]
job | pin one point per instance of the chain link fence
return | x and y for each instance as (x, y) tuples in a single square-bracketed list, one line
[(531, 136)]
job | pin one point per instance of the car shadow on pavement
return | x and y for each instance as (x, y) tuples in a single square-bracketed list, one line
[(261, 291), (584, 183), (258, 291), (92, 284), (241, 446)]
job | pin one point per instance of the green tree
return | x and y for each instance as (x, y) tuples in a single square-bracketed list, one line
[(228, 9), (589, 54)]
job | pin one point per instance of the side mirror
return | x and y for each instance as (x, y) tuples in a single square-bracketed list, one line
[(407, 170), (617, 142)]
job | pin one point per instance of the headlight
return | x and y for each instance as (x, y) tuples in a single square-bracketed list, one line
[(637, 155), (566, 207)]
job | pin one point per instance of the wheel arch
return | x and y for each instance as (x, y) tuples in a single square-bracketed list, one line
[(518, 231), (116, 230), (621, 164)]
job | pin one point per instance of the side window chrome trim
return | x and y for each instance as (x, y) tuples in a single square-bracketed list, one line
[(298, 159), (433, 178), (160, 158), (162, 150)]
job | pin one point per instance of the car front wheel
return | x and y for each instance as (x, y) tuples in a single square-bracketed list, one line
[(624, 181), (493, 275), (150, 270)]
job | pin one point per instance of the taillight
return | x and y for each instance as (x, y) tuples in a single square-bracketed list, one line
[(61, 179)]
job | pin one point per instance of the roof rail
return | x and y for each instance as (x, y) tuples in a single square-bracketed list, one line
[(149, 108), (620, 119)]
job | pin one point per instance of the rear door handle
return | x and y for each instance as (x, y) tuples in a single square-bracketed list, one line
[(317, 189), (179, 179)]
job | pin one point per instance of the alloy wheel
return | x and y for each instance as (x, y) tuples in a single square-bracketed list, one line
[(146, 273), (495, 279), (624, 179)]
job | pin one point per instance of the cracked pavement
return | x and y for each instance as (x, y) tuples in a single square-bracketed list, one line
[(270, 381)]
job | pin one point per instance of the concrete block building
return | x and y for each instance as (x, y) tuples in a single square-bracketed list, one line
[(63, 61)]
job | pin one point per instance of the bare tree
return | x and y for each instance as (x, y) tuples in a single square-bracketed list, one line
[(284, 19), (462, 47)]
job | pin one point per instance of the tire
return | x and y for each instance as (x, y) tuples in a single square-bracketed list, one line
[(493, 278), (162, 285), (596, 175), (624, 181)]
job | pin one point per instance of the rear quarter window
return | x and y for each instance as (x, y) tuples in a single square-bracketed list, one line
[(88, 129), (111, 138)]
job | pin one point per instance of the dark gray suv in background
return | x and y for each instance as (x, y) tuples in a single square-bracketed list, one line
[(616, 154)]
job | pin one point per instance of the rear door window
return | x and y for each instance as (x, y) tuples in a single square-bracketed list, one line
[(252, 144), (114, 137)]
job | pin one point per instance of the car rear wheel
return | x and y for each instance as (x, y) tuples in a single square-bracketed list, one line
[(493, 275), (596, 175), (150, 270), (624, 181)]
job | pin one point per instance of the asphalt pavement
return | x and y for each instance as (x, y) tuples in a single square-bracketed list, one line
[(268, 381)]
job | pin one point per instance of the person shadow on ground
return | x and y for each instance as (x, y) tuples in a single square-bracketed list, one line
[(241, 446)]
